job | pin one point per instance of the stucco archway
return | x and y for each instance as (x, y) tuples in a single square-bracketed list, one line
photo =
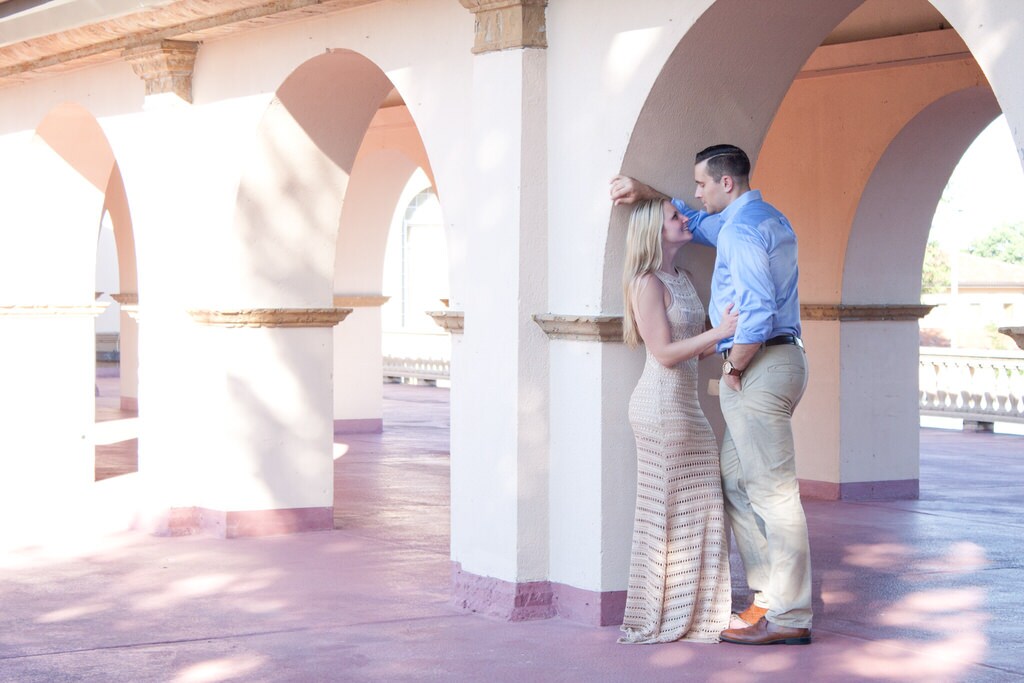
[(816, 129), (268, 405), (707, 94), (857, 157), (51, 222), (888, 236), (290, 198), (389, 155), (74, 134)]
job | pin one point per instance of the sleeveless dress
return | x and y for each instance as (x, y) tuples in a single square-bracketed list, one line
[(679, 585)]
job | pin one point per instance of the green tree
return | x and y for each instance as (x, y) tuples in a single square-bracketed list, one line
[(935, 273), (1005, 243)]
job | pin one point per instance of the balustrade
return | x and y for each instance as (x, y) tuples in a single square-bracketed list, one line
[(978, 387), (984, 387), (416, 368)]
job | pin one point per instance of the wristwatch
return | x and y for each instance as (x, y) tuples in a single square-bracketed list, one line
[(729, 369)]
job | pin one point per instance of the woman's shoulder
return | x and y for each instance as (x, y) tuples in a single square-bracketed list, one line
[(649, 279), (647, 285)]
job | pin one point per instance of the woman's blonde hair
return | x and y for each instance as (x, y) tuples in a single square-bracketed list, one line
[(643, 255)]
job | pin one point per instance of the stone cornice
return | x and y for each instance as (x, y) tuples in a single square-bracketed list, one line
[(603, 328), (360, 300), (608, 328), (271, 317), (52, 310), (126, 298), (452, 321), (97, 38), (166, 66), (885, 53), (507, 24), (129, 302), (863, 312), (1014, 333)]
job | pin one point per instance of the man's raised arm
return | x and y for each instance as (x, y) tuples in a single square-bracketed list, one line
[(626, 190), (704, 226)]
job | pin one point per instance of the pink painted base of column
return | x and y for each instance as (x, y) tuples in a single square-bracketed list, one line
[(535, 599), (245, 523), (368, 425), (130, 403), (502, 599), (589, 607), (902, 489)]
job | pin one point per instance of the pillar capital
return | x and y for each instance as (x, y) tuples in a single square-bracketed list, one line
[(453, 322), (864, 312), (166, 66), (271, 317), (129, 302), (600, 328), (360, 300), (54, 310), (507, 24), (1015, 333)]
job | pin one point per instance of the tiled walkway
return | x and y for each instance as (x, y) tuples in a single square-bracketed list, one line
[(926, 590)]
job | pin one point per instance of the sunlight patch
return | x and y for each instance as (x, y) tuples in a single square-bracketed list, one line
[(69, 613), (877, 555), (214, 670)]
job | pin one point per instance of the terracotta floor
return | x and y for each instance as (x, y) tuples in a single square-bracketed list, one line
[(926, 590)]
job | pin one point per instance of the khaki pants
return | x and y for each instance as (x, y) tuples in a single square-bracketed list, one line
[(762, 496)]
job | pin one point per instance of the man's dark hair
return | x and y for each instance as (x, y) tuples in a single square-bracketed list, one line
[(725, 160)]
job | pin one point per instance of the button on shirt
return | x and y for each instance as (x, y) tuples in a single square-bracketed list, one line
[(755, 267)]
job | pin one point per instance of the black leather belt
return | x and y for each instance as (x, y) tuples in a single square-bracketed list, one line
[(774, 341), (784, 339)]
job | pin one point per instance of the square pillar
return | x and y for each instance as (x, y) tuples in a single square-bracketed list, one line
[(359, 366), (47, 453), (257, 455), (857, 428), (593, 467), (499, 399)]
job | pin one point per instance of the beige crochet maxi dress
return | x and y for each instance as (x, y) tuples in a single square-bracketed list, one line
[(679, 585)]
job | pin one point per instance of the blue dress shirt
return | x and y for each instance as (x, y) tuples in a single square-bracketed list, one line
[(755, 267)]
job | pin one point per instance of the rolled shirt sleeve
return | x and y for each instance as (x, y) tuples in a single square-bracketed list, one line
[(749, 274), (704, 226)]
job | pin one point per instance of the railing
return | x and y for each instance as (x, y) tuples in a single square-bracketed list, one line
[(416, 368), (982, 388), (108, 346)]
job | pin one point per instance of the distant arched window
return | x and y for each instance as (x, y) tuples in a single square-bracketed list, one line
[(416, 272), (415, 280)]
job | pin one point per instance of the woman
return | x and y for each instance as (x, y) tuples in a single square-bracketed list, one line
[(679, 568)]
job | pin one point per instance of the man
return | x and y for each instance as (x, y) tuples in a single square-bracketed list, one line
[(764, 374)]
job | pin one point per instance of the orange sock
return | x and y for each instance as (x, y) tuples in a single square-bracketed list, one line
[(753, 614)]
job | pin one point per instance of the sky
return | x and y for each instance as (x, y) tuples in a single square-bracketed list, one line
[(984, 191)]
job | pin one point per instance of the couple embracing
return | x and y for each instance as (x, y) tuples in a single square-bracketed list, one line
[(679, 581)]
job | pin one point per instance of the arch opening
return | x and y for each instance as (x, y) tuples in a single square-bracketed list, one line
[(334, 150)]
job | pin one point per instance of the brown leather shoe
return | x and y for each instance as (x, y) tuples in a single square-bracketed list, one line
[(765, 632), (752, 614)]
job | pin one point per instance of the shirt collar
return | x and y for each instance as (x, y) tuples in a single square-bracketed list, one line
[(740, 202)]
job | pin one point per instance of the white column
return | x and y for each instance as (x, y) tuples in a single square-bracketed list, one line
[(47, 457), (267, 435), (499, 441), (358, 366), (593, 466), (129, 347), (867, 449)]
